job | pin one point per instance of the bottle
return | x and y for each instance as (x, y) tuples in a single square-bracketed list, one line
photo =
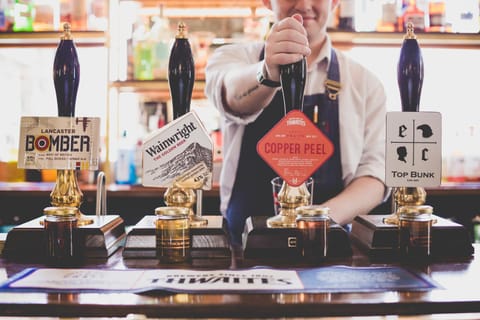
[(173, 239), (23, 16), (138, 161), (476, 228), (410, 72), (125, 170), (47, 15), (3, 15), (60, 227), (98, 15), (346, 19), (66, 8), (389, 20), (332, 23), (130, 53), (8, 8), (181, 73), (293, 77), (437, 16), (160, 36), (413, 14), (142, 52), (66, 74), (79, 14)]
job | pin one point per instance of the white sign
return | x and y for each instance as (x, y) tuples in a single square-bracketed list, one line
[(180, 152), (176, 280), (413, 149), (59, 143)]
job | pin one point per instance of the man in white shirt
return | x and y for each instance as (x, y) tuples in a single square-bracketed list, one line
[(242, 80)]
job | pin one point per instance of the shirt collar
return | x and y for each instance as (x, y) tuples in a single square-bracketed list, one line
[(324, 57)]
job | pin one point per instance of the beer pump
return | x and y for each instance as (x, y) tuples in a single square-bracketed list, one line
[(181, 78), (66, 78), (179, 157), (98, 235), (292, 79), (410, 76), (412, 228), (278, 236)]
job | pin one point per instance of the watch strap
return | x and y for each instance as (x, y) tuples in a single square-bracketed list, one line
[(263, 80)]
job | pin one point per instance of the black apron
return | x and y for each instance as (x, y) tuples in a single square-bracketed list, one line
[(252, 190)]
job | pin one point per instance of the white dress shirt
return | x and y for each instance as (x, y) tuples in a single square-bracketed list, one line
[(362, 109)]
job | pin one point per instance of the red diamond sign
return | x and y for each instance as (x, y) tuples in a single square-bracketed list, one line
[(295, 148)]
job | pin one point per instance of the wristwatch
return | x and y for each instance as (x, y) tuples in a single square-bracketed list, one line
[(263, 80)]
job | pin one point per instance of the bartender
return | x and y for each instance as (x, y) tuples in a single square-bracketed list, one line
[(243, 82)]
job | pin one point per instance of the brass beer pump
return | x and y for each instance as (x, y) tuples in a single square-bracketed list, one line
[(66, 76), (292, 78), (289, 198), (98, 236), (405, 196), (410, 81), (181, 77), (411, 230)]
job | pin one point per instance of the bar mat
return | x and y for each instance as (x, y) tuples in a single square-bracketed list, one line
[(332, 279), (364, 279)]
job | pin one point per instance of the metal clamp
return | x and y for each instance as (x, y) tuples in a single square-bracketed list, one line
[(333, 88)]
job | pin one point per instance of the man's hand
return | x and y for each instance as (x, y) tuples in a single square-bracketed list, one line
[(286, 43)]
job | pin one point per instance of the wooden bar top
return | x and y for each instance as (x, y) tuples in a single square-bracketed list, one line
[(116, 190), (19, 189), (457, 278)]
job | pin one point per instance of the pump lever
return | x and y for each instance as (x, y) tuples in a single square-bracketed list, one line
[(292, 78), (101, 204)]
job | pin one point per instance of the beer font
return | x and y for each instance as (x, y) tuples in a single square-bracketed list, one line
[(181, 77), (292, 78), (66, 78)]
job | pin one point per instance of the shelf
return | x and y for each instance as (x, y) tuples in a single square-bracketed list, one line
[(343, 39), (204, 3), (157, 89), (51, 39), (346, 39)]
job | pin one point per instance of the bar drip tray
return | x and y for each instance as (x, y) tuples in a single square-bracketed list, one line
[(260, 241), (101, 238), (449, 239), (209, 241)]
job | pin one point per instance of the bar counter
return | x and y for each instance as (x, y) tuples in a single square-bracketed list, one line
[(458, 201), (458, 279)]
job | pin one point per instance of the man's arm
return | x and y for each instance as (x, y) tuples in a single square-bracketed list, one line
[(361, 196), (242, 94), (286, 43)]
